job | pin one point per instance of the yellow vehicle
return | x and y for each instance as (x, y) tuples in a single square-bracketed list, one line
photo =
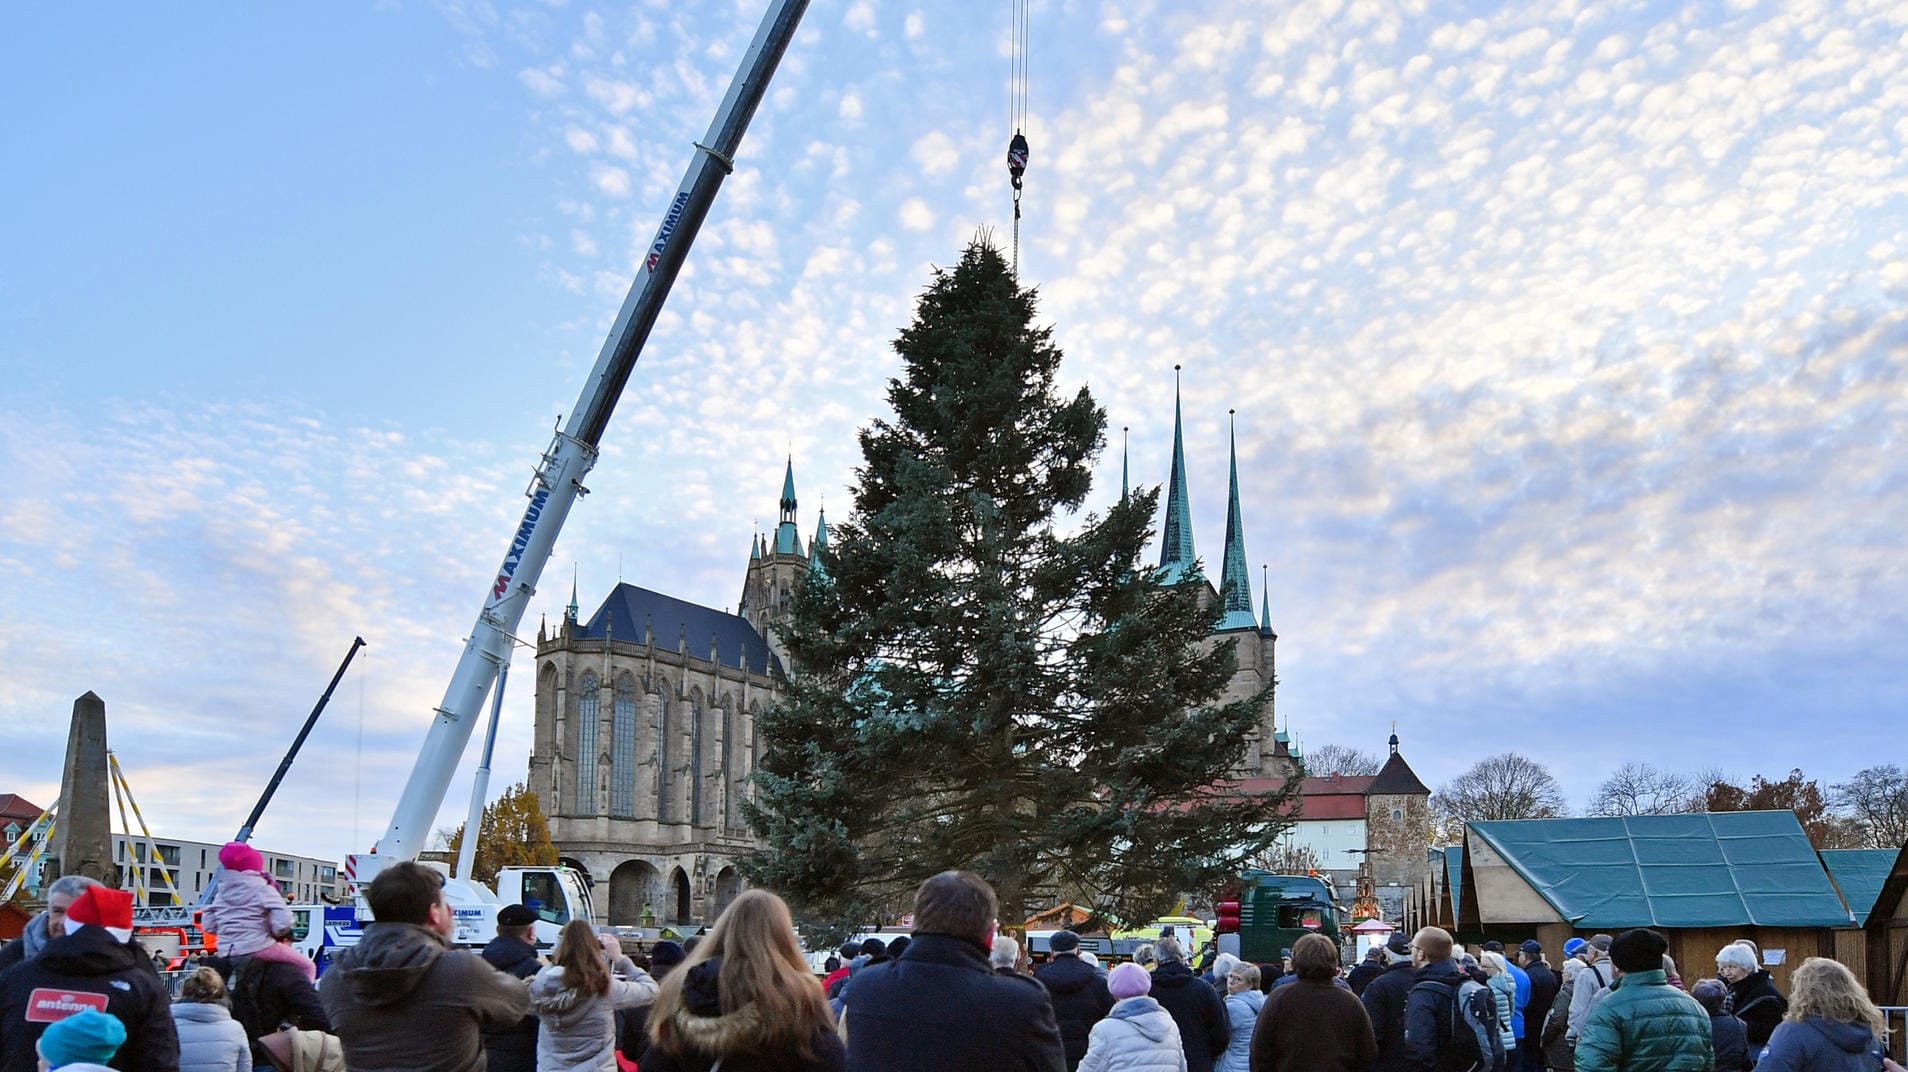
[(1193, 934)]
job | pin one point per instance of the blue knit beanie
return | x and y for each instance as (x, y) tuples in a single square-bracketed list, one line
[(86, 1037)]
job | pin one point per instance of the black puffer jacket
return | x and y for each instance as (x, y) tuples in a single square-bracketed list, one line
[(734, 1038), (513, 1048), (1198, 1010), (1755, 1001), (1080, 1000), (89, 968)]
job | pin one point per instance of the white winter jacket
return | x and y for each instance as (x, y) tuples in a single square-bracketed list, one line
[(578, 1031), (209, 1039), (1137, 1036)]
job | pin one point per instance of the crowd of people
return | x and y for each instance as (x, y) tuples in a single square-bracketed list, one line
[(78, 993)]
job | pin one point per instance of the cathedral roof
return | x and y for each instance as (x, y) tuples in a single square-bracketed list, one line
[(1397, 777), (629, 609)]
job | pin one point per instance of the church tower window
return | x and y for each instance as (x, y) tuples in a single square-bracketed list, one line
[(622, 795), (586, 754)]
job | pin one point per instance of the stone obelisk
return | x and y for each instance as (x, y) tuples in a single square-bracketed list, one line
[(84, 842)]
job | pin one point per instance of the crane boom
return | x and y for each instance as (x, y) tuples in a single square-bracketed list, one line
[(559, 475)]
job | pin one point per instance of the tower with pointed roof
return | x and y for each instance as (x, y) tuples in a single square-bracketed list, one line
[(777, 564), (1271, 754), (1397, 822)]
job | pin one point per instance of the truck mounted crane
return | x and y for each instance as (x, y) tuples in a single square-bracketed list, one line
[(557, 484)]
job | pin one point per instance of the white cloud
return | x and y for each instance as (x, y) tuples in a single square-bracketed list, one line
[(543, 83), (936, 153), (610, 179), (915, 214), (580, 140)]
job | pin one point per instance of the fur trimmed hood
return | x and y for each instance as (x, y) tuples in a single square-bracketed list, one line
[(702, 1025)]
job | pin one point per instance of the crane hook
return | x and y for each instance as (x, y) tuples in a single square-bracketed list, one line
[(1017, 159)]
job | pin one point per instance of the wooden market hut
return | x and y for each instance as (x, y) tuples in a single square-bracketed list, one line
[(1703, 880), (1885, 931)]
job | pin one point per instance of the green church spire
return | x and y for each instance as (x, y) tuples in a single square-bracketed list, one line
[(1235, 588), (787, 540), (1123, 466), (1265, 602), (820, 541), (1175, 537)]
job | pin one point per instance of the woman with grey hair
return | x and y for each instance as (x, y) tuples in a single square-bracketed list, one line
[(1753, 996), (1005, 957)]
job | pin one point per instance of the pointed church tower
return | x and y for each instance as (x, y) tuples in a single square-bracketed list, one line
[(776, 566), (1397, 820), (820, 541), (1235, 589), (1176, 555)]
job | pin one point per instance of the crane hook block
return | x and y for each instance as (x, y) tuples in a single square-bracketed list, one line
[(1017, 158)]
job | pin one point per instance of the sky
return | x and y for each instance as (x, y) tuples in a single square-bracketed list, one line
[(1567, 343)]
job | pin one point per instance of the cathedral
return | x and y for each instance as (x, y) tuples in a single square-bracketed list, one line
[(645, 734)]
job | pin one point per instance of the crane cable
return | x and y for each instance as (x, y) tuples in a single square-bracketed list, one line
[(1017, 114)]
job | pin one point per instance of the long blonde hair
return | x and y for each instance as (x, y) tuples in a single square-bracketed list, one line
[(580, 955), (761, 965), (1823, 987)]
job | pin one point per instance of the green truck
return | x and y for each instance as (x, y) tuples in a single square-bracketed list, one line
[(1261, 917)]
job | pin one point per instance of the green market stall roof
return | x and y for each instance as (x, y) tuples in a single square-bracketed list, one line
[(1859, 874), (1714, 869)]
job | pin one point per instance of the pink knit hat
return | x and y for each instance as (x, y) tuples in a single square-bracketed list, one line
[(238, 856), (1128, 980)]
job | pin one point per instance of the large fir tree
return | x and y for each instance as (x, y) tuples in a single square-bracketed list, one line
[(975, 687)]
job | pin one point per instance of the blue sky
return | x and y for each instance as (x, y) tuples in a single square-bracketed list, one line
[(1567, 341)]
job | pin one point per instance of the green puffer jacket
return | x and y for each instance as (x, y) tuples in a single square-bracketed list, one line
[(1645, 1025)]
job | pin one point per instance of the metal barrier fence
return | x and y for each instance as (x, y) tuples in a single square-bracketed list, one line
[(1895, 1018)]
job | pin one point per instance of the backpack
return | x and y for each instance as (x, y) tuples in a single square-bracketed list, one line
[(1475, 1045)]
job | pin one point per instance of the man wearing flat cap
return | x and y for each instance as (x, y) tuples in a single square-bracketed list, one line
[(514, 952)]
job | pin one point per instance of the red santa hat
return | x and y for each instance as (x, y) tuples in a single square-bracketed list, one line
[(102, 906)]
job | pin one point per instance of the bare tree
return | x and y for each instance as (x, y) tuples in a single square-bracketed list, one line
[(1339, 759), (1640, 789), (1504, 786), (1287, 858), (1877, 799)]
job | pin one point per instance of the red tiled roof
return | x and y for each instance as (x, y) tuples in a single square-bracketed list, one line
[(1333, 806), (15, 806), (1338, 783)]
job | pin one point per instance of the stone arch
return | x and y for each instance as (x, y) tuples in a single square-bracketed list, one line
[(633, 885), (728, 885), (682, 899)]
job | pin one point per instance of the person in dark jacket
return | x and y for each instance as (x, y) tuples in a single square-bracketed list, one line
[(514, 952), (1832, 1026), (1543, 992), (1080, 997), (1197, 1008), (49, 924), (268, 995), (1368, 969), (1730, 1039), (1312, 1025), (93, 965), (1384, 999), (404, 999), (1428, 1016), (632, 1032), (938, 1008), (1753, 997)]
